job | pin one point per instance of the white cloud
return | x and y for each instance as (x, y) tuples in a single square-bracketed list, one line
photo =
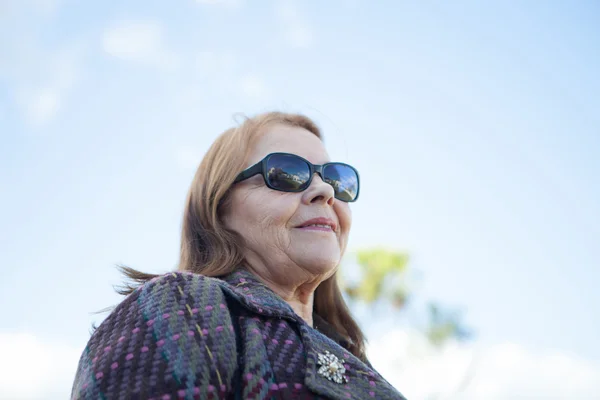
[(40, 105), (40, 76), (43, 7), (139, 41), (296, 31), (299, 35), (32, 368), (43, 89), (46, 6), (501, 372)]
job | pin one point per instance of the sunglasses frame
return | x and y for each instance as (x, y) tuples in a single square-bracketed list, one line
[(261, 168)]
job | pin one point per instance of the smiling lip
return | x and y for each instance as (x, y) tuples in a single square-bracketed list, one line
[(319, 224)]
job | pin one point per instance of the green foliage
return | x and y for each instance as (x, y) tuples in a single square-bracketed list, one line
[(382, 277), (444, 325)]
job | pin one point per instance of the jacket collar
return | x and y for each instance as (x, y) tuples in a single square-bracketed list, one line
[(257, 296), (252, 293), (362, 381)]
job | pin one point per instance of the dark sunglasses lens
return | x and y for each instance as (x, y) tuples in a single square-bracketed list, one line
[(344, 180), (287, 172)]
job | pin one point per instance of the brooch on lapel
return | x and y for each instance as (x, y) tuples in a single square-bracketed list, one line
[(331, 368)]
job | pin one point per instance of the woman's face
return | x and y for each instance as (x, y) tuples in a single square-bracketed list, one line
[(272, 223)]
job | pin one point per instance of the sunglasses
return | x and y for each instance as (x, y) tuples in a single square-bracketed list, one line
[(291, 173)]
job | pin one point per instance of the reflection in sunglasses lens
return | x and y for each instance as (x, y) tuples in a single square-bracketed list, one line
[(287, 172), (343, 179), (290, 173)]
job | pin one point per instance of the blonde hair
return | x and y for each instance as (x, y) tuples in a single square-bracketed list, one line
[(210, 249)]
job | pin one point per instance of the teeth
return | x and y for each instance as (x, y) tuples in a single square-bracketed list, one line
[(320, 225)]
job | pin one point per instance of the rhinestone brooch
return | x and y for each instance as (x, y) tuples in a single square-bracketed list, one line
[(331, 368)]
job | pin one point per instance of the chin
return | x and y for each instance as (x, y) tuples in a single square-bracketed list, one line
[(320, 264)]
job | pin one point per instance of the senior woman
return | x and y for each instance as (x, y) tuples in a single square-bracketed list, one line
[(254, 310)]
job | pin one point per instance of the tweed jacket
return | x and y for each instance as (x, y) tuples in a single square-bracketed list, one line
[(186, 336)]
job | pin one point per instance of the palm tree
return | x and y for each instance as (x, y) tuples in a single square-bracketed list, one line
[(383, 274), (384, 278)]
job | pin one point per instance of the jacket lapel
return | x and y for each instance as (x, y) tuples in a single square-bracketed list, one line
[(362, 381), (256, 296)]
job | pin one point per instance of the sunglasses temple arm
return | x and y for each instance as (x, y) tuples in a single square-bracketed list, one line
[(250, 172)]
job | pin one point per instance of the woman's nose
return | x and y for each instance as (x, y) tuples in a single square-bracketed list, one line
[(319, 192)]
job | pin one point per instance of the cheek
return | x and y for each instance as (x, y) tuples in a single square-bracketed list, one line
[(345, 218), (344, 215), (258, 212)]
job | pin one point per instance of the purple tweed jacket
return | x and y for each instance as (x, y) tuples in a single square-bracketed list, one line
[(187, 336)]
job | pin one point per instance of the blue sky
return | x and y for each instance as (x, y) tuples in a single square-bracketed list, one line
[(475, 127)]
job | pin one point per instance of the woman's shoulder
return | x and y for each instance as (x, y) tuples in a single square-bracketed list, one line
[(177, 315), (175, 279), (176, 282), (174, 294)]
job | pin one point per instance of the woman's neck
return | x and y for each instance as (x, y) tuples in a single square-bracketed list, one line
[(299, 294)]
